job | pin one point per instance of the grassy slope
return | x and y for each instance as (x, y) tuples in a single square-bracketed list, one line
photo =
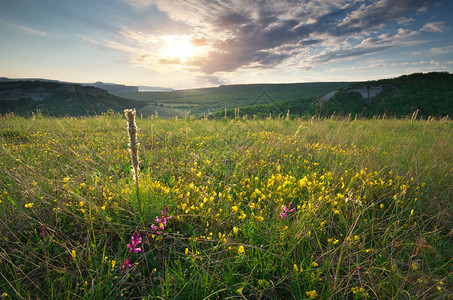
[(373, 209), (207, 100)]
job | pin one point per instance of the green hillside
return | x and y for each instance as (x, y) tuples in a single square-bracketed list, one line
[(430, 94), (208, 100), (63, 99)]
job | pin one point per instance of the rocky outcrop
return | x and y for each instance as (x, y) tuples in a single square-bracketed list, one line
[(39, 91), (87, 90), (16, 94), (367, 91)]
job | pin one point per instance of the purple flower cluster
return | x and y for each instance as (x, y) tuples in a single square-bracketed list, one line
[(287, 210), (135, 240), (161, 222)]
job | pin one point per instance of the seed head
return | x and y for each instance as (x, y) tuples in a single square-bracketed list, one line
[(133, 142)]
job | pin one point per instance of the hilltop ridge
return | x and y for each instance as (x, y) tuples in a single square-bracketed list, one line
[(428, 94), (58, 99), (431, 94)]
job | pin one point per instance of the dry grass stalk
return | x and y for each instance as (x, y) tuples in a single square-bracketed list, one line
[(133, 142)]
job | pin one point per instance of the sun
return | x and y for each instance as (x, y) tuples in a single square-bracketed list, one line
[(178, 47)]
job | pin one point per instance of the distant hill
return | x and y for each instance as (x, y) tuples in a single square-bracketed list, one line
[(208, 100), (62, 99), (430, 93), (112, 88)]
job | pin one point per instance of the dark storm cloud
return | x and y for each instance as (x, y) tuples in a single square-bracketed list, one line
[(358, 19), (250, 34), (232, 19)]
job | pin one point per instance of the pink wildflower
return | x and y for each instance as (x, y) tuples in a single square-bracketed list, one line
[(127, 264), (161, 222), (135, 240), (287, 210)]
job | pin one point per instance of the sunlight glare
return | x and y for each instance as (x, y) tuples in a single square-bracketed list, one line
[(178, 47)]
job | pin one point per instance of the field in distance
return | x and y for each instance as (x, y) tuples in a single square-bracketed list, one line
[(208, 100)]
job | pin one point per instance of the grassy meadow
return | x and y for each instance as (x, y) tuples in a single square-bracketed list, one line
[(260, 209)]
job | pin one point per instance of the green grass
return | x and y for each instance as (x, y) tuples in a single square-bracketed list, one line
[(372, 216)]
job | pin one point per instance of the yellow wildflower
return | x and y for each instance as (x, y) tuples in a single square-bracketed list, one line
[(312, 294), (241, 250), (235, 230), (29, 205), (73, 254)]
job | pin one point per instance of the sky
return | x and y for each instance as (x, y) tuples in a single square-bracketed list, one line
[(184, 44)]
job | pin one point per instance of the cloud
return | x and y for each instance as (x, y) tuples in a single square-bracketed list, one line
[(210, 79), (364, 47), (377, 13), (138, 56), (346, 53), (31, 30), (25, 28), (139, 4), (434, 27), (169, 61), (440, 51), (243, 34)]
